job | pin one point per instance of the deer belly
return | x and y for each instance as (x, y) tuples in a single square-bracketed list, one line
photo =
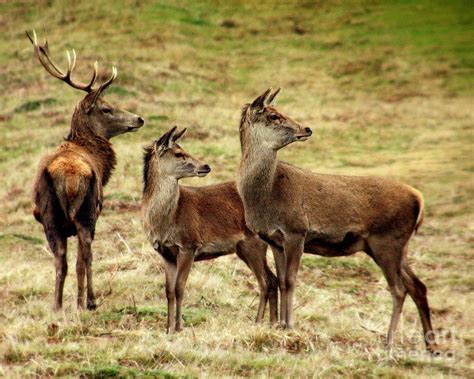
[(219, 247)]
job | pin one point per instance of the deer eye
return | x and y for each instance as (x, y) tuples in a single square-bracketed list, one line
[(179, 155), (273, 117), (106, 110)]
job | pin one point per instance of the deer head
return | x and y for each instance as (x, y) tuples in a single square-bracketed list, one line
[(169, 158), (264, 125), (93, 114)]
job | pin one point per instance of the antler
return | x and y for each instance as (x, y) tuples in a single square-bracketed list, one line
[(43, 55)]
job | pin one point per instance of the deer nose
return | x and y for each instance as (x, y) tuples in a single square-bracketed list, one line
[(308, 130), (141, 121), (206, 168)]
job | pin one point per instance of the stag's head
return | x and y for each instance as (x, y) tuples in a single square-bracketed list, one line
[(264, 126), (93, 114), (166, 157)]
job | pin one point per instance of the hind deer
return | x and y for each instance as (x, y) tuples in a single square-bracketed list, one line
[(186, 224), (67, 192), (296, 211)]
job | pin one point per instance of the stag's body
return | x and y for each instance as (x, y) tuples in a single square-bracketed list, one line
[(67, 192), (186, 224), (298, 211)]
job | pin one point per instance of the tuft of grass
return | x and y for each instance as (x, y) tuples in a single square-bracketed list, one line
[(33, 105)]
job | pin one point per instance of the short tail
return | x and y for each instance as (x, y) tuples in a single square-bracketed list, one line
[(421, 210), (71, 191)]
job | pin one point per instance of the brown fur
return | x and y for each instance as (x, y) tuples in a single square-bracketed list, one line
[(67, 192), (186, 224), (296, 210)]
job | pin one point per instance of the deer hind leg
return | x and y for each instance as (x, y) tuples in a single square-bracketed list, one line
[(253, 253), (83, 266), (388, 255), (58, 246), (272, 283), (184, 264), (417, 291)]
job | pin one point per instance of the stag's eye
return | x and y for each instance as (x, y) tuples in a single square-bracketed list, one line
[(273, 117), (179, 155), (106, 110)]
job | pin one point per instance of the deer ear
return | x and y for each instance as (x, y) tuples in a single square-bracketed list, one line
[(177, 136), (98, 92), (165, 141), (259, 103), (271, 98)]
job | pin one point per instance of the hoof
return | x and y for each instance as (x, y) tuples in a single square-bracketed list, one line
[(91, 306), (434, 350)]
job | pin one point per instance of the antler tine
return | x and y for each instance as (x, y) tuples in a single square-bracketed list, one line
[(94, 76), (109, 81), (42, 52)]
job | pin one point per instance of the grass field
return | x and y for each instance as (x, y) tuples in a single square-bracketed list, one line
[(387, 88)]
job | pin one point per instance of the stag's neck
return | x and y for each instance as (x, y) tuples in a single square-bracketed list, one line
[(99, 148), (256, 175), (160, 204)]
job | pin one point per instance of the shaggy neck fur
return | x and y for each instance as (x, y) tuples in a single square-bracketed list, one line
[(82, 133)]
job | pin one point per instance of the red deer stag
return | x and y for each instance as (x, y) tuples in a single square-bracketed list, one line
[(298, 211), (68, 189), (186, 224)]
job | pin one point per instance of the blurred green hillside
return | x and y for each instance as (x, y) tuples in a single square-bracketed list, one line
[(386, 86)]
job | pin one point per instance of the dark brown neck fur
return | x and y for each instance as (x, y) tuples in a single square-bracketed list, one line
[(100, 148)]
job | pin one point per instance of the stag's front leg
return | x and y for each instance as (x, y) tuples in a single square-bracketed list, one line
[(293, 247), (170, 274), (184, 262)]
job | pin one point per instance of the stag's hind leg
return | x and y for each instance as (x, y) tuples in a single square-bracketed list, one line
[(84, 267), (58, 246), (388, 255)]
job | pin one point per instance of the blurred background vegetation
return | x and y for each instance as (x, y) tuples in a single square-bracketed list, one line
[(387, 87)]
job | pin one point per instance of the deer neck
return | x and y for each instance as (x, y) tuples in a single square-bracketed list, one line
[(256, 175), (99, 148), (160, 204)]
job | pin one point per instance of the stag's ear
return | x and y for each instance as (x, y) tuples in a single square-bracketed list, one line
[(271, 99), (177, 136), (165, 142), (98, 92), (259, 103)]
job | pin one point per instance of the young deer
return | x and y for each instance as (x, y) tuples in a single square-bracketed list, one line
[(298, 211), (187, 224), (68, 189)]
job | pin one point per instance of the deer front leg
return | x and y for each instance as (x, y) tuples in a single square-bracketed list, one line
[(170, 274), (280, 263), (293, 246), (184, 262)]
